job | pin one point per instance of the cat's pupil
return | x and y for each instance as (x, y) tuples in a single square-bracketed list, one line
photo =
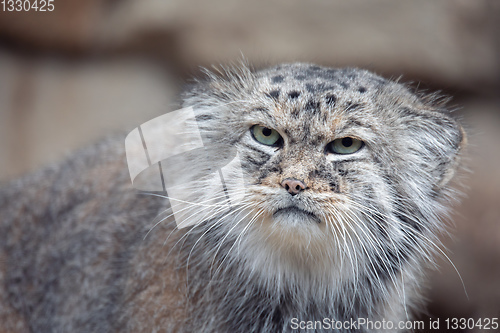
[(347, 142), (266, 131)]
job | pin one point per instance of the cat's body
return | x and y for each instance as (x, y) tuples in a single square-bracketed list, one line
[(319, 236)]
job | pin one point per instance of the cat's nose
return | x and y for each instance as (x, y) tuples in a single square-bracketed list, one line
[(293, 186)]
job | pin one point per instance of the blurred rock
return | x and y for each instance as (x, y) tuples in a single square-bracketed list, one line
[(449, 43), (49, 107), (71, 27)]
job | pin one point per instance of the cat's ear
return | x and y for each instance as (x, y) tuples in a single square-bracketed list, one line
[(457, 145), (439, 141)]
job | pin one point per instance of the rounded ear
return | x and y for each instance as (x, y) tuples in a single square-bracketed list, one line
[(437, 140), (459, 145)]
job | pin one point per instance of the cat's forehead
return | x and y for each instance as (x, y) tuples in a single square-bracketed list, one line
[(300, 93), (298, 79)]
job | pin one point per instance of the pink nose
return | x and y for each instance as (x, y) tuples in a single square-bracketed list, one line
[(293, 186)]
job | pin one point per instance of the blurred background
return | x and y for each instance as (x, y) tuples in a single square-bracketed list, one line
[(94, 67)]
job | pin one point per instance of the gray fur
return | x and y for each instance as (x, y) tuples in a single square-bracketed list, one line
[(75, 256)]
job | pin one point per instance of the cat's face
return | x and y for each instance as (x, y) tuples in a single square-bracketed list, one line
[(337, 163), (310, 156)]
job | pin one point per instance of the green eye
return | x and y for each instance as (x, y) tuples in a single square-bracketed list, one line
[(266, 136), (344, 146)]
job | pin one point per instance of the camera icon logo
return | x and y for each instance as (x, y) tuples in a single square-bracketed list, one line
[(166, 155)]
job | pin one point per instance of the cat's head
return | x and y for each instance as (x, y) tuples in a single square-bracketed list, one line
[(339, 164)]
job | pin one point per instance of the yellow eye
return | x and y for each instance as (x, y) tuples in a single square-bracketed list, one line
[(344, 146), (266, 136)]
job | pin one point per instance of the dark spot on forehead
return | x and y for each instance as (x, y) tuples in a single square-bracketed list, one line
[(312, 105), (330, 99), (362, 89), (278, 78), (294, 94), (275, 94)]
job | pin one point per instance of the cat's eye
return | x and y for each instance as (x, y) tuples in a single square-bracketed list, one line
[(344, 146), (266, 136)]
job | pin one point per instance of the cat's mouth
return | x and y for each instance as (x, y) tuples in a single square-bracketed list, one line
[(294, 212)]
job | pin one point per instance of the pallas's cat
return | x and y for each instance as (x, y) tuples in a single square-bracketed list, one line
[(346, 179)]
